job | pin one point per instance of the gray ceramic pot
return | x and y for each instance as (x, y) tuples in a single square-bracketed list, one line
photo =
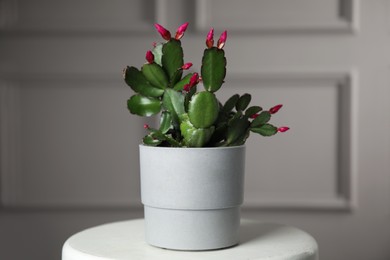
[(192, 196)]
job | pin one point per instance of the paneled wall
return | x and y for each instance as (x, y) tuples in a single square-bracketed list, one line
[(279, 16), (64, 123), (67, 141), (69, 147)]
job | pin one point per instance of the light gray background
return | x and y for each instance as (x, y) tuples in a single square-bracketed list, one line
[(68, 146)]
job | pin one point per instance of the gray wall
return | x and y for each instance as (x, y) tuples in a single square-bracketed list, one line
[(68, 146)]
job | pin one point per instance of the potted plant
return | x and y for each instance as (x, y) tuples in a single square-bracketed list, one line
[(192, 165)]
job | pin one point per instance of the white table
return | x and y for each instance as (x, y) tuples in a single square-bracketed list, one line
[(125, 240)]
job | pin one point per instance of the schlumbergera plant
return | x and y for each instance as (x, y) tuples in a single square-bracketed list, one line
[(192, 118)]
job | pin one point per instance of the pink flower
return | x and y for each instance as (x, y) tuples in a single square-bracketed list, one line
[(180, 31), (275, 109), (149, 57), (283, 129), (222, 40), (210, 38), (193, 81), (163, 32), (146, 126), (187, 87), (187, 66)]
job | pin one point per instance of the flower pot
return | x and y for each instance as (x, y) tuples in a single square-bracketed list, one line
[(192, 196)]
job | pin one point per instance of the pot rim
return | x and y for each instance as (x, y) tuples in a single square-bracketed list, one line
[(192, 148)]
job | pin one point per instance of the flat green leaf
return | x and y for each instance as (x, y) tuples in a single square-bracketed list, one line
[(157, 52), (213, 68), (234, 116), (137, 81), (155, 75), (230, 103), (143, 106), (265, 130), (188, 97), (263, 118), (195, 137), (173, 101), (243, 102), (218, 135), (165, 139), (180, 85), (203, 109), (149, 140), (241, 139), (252, 110), (172, 60), (165, 122), (236, 129)]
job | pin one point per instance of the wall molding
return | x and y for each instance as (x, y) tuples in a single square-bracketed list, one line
[(8, 13), (12, 168), (172, 13), (346, 83), (15, 21), (347, 22), (9, 143)]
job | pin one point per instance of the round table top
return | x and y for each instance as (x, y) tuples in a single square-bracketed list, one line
[(125, 240)]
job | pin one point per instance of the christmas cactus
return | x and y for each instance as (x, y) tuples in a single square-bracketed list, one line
[(192, 118)]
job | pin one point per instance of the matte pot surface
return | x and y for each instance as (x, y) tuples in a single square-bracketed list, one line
[(192, 196)]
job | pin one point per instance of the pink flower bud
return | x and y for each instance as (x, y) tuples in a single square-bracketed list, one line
[(187, 87), (163, 32), (283, 129), (254, 116), (275, 109), (149, 57), (194, 79), (146, 126), (180, 31), (210, 38), (222, 40), (187, 66)]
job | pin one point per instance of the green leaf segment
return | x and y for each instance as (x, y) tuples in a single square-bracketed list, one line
[(190, 118), (213, 68), (172, 60)]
